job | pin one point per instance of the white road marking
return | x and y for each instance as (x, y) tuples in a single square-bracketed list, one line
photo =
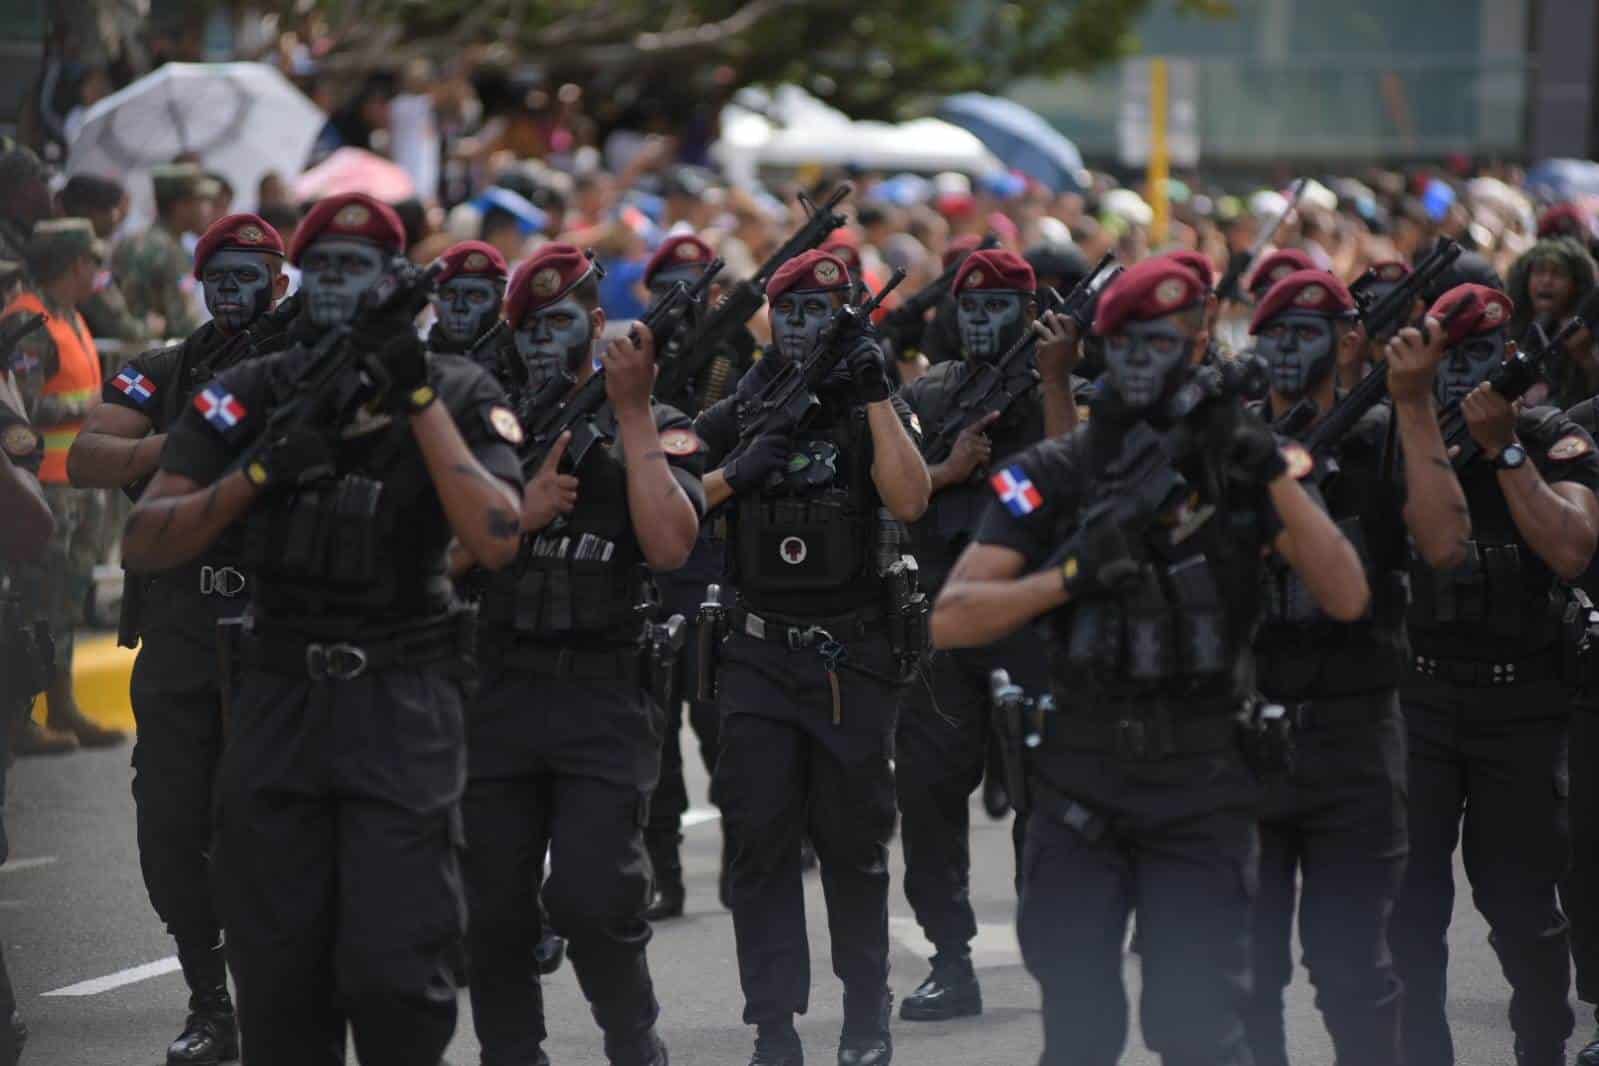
[(132, 975), (14, 866), (994, 945), (699, 816)]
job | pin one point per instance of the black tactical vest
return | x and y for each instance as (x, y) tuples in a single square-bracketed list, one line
[(583, 576)]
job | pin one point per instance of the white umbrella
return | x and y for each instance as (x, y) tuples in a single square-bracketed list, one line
[(240, 119)]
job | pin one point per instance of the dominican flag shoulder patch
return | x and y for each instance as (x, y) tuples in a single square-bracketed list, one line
[(219, 406), (1016, 491), (134, 385)]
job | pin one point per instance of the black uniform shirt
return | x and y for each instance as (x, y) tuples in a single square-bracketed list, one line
[(838, 417), (952, 515), (1520, 612), (225, 418), (1039, 496)]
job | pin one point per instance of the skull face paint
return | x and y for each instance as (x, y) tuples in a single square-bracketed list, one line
[(467, 307), (798, 318), (665, 278), (238, 288), (1145, 360), (1467, 365), (1300, 350), (554, 340), (990, 323), (335, 274)]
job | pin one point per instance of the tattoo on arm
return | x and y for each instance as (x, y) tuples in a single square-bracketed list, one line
[(503, 524), (1440, 462), (210, 501), (473, 471)]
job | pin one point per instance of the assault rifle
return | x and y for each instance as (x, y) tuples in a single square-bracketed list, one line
[(404, 288), (740, 303), (1512, 378), (1227, 288), (991, 388), (577, 412), (16, 327), (790, 395), (1382, 317), (905, 323)]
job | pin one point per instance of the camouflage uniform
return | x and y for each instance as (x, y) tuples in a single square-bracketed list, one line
[(152, 270), (108, 317)]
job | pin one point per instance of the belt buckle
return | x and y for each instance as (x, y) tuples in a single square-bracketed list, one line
[(338, 662)]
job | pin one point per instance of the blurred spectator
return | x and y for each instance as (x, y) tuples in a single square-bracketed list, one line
[(415, 143), (24, 198), (273, 191), (152, 267), (104, 202), (363, 121), (93, 86)]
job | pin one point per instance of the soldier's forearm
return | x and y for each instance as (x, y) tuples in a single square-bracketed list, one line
[(105, 461), (1319, 552), (484, 513), (1435, 505), (1558, 528), (54, 410), (169, 527), (25, 533), (971, 613), (663, 518), (1060, 409), (897, 467)]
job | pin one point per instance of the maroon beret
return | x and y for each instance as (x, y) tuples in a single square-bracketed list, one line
[(1311, 292), (244, 233), (1152, 289), (1565, 220), (1477, 309), (1198, 262), (474, 259), (995, 269), (846, 247), (815, 269), (1389, 271), (1276, 266), (354, 215), (683, 249), (553, 271), (958, 247)]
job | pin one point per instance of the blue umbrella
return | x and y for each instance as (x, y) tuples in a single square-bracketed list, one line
[(1020, 138), (1563, 179)]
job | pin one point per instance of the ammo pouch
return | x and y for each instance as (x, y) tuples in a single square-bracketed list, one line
[(1171, 626), (1485, 589), (335, 533), (800, 543), (556, 596), (1579, 648), (906, 613)]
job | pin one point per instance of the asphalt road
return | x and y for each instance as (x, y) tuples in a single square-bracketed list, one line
[(74, 918)]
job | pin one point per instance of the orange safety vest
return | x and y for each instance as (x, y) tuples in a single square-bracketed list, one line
[(78, 378)]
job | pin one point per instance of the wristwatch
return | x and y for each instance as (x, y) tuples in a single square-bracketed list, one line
[(1511, 457)]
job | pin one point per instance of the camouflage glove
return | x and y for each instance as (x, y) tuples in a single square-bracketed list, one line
[(1095, 561), (867, 369), (764, 457), (285, 460)]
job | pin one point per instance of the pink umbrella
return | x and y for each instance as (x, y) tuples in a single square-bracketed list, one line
[(355, 170)]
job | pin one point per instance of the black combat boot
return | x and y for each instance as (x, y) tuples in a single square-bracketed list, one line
[(211, 1034), (648, 1049), (777, 1044), (1553, 1054), (13, 1034), (866, 1040), (550, 952), (950, 991), (666, 898)]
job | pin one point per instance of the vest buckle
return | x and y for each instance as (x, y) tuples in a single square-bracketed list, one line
[(224, 581)]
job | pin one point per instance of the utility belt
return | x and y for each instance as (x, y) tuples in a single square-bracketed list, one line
[(1146, 733), (1328, 659), (293, 652), (650, 662), (208, 581), (1474, 673)]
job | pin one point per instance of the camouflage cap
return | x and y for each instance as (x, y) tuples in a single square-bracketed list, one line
[(175, 181), (56, 242), (19, 164)]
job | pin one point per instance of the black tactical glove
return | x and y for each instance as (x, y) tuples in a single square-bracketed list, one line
[(1096, 560), (1254, 452), (404, 362), (867, 368), (289, 458), (764, 457)]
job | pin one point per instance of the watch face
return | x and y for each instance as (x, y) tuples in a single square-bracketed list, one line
[(1513, 456)]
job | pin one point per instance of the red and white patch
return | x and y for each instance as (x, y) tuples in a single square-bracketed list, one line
[(1310, 296), (1572, 447), (505, 424), (1300, 464), (793, 550), (545, 282), (251, 234), (826, 273), (686, 251), (681, 442), (1494, 313), (974, 279), (1169, 293), (352, 217)]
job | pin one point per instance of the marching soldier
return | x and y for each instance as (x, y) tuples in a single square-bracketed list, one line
[(467, 302), (356, 456), (24, 537), (1484, 705), (151, 267), (1335, 819), (683, 258), (58, 371), (809, 677), (1140, 536), (944, 722), (566, 640), (177, 688)]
